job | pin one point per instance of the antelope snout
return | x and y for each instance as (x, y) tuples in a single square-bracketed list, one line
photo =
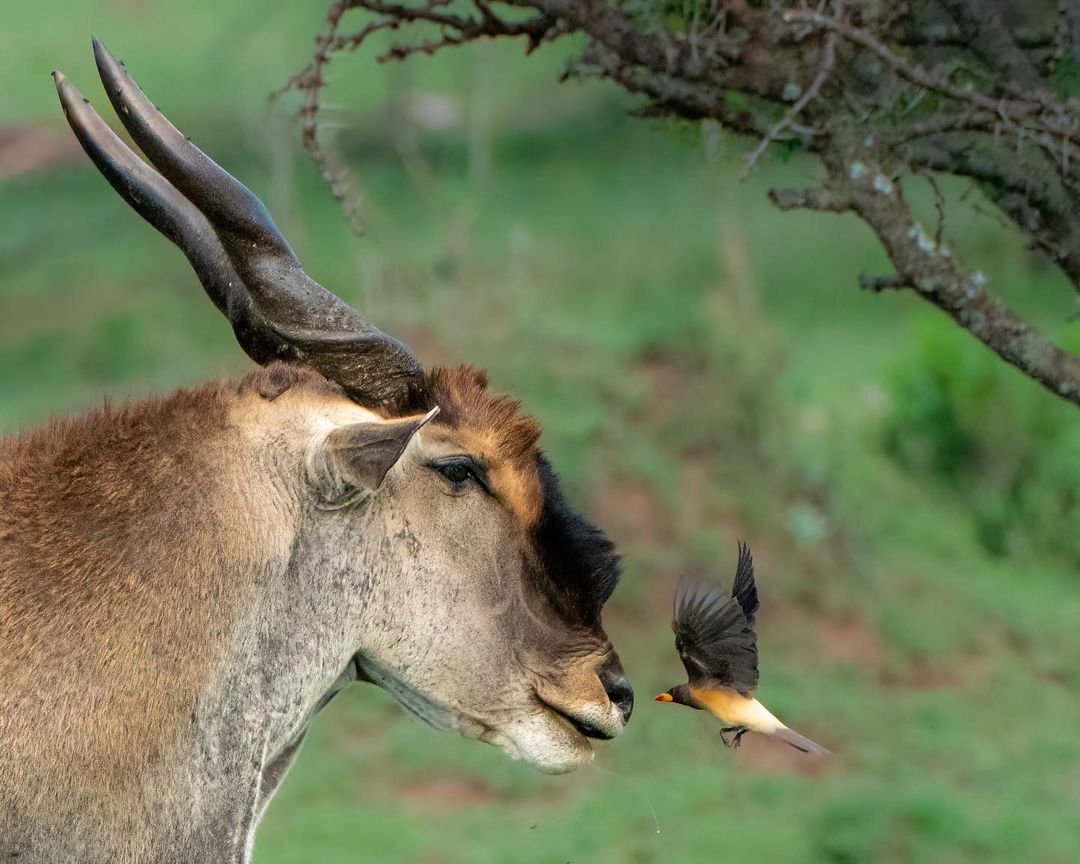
[(616, 686), (595, 716)]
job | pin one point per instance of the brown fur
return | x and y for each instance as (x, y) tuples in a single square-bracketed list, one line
[(109, 514), (491, 428)]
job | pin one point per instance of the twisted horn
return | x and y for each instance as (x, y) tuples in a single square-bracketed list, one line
[(239, 255), (148, 193)]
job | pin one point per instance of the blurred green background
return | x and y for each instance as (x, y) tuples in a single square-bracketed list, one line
[(705, 369)]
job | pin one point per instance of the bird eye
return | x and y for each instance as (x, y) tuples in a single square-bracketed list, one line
[(456, 472)]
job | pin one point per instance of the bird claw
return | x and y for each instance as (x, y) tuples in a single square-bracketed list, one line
[(736, 740)]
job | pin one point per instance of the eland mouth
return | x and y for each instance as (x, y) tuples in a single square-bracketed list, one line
[(580, 726)]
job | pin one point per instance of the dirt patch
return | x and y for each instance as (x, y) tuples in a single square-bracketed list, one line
[(448, 793), (850, 640), (705, 505), (760, 754), (854, 641), (946, 673), (669, 379), (26, 147), (631, 513)]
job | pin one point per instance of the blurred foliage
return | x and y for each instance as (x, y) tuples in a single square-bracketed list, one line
[(964, 421)]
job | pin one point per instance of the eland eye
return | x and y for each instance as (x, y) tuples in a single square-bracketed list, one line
[(460, 471), (456, 472)]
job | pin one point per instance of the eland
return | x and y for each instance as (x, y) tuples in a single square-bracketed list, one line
[(186, 581)]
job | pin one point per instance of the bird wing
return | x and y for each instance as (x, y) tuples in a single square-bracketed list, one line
[(744, 589), (714, 634)]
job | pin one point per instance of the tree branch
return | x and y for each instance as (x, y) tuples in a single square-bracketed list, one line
[(924, 266), (924, 87)]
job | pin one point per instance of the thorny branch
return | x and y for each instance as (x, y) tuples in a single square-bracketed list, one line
[(878, 90)]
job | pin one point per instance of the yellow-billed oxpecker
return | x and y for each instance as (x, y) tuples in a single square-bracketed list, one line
[(715, 638)]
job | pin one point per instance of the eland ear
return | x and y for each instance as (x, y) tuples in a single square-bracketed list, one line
[(358, 456)]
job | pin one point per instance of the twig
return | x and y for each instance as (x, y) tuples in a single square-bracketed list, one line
[(877, 284), (1009, 110), (822, 198), (828, 59), (939, 206)]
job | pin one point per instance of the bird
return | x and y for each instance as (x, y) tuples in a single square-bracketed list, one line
[(715, 639)]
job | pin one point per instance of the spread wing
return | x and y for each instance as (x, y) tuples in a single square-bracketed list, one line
[(714, 632), (744, 589)]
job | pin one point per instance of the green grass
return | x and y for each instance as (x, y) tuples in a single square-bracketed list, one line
[(705, 368)]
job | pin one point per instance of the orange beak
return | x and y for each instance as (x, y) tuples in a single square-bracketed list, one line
[(663, 697)]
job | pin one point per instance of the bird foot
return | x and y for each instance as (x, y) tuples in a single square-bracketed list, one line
[(734, 742)]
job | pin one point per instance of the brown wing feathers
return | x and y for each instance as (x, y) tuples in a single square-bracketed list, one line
[(714, 631)]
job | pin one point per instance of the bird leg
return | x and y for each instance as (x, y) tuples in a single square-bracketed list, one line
[(736, 740)]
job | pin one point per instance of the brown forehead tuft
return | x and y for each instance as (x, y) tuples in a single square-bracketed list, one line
[(465, 402), (495, 426)]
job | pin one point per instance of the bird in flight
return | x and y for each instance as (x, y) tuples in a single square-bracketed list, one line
[(715, 638)]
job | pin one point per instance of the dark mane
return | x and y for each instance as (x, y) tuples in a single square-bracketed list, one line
[(581, 564)]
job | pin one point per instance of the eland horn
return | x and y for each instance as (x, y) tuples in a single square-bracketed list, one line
[(241, 258)]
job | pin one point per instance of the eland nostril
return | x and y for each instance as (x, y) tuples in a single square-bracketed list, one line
[(622, 694), (617, 687)]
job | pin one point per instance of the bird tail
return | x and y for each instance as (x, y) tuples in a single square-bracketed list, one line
[(799, 742), (734, 709)]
